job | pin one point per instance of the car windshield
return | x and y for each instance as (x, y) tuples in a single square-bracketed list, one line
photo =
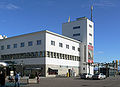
[(96, 74)]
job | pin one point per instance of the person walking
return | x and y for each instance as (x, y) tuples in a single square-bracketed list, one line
[(17, 79), (2, 79)]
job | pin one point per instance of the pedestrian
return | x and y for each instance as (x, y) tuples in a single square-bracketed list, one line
[(17, 79), (38, 78), (2, 79)]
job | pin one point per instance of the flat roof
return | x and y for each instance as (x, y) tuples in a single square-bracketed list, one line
[(44, 31)]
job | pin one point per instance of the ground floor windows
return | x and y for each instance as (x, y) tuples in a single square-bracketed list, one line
[(52, 71), (39, 54)]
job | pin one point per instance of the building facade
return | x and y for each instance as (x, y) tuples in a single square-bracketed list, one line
[(45, 52), (82, 30), (51, 54)]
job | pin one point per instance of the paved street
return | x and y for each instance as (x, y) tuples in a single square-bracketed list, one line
[(76, 82)]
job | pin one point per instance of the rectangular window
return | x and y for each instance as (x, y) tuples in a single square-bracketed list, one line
[(76, 27), (2, 47), (53, 43), (38, 42), (90, 43), (14, 45), (90, 26), (30, 43), (22, 44), (90, 34), (78, 34), (73, 48), (8, 46), (60, 45), (79, 49), (67, 46)]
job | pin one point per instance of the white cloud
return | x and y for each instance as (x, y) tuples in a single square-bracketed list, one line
[(8, 6)]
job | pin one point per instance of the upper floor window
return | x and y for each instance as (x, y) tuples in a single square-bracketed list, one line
[(67, 46), (38, 42), (79, 49), (30, 43), (60, 45), (22, 44), (90, 25), (90, 34), (90, 43), (14, 45), (2, 47), (8, 46), (73, 48), (76, 27), (53, 43), (78, 34)]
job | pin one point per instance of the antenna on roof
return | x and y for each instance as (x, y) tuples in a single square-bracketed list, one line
[(69, 19), (91, 13)]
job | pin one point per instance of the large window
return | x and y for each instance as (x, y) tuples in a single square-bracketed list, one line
[(53, 43), (8, 46), (38, 42), (60, 45), (52, 71), (2, 47), (76, 27), (78, 34), (30, 43), (14, 45), (22, 44)]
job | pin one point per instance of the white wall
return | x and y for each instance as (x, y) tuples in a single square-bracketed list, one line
[(24, 38)]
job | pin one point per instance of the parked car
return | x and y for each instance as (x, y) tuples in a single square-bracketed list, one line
[(99, 76), (86, 76)]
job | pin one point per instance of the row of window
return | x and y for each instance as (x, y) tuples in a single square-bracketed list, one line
[(61, 45), (40, 54), (22, 44)]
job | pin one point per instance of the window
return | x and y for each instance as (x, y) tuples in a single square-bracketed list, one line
[(60, 45), (90, 25), (73, 48), (8, 46), (30, 43), (77, 27), (22, 44), (2, 47), (79, 49), (78, 34), (38, 42), (90, 34), (53, 43), (14, 45), (67, 46), (90, 43)]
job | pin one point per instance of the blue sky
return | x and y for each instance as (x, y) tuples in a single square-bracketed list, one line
[(25, 16)]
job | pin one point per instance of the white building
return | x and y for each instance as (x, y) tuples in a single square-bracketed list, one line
[(82, 30), (52, 54), (45, 52)]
